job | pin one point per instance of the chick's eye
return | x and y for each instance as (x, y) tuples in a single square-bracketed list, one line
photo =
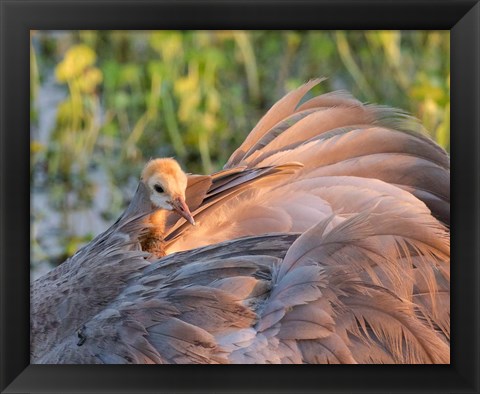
[(158, 189)]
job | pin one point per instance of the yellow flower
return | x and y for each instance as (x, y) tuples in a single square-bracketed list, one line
[(76, 60)]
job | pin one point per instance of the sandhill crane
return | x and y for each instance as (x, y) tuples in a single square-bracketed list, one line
[(323, 240)]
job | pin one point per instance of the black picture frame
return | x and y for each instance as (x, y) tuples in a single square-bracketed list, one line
[(461, 17)]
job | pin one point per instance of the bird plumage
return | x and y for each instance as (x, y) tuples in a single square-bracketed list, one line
[(167, 184), (323, 240)]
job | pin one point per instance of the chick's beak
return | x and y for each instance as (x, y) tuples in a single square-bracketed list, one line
[(181, 207)]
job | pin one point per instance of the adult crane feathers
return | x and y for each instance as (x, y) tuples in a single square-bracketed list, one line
[(324, 240)]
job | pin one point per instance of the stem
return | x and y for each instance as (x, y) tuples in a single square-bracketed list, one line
[(172, 126)]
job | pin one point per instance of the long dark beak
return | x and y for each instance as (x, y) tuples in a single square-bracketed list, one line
[(181, 207)]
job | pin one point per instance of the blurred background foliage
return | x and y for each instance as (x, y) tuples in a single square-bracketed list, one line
[(104, 102)]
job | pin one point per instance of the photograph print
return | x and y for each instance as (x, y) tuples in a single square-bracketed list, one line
[(240, 197)]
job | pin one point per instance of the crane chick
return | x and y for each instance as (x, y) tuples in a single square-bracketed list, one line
[(166, 183)]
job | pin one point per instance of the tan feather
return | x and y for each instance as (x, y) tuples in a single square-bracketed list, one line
[(283, 108)]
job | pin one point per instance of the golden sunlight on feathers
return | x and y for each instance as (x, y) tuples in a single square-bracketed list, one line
[(324, 239)]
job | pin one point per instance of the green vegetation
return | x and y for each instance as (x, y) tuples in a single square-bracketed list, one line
[(129, 96)]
